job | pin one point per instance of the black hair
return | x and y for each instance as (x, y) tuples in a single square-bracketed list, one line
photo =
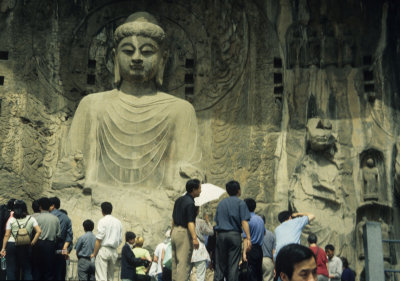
[(106, 208), (35, 206), (64, 211), (88, 225), (232, 188), (284, 216), (312, 238), (192, 184), (10, 204), (289, 256), (251, 204), (55, 201), (20, 209), (44, 203), (129, 235), (329, 247), (345, 262)]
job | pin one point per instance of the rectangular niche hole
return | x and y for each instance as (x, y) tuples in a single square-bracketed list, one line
[(277, 78), (3, 55), (367, 60), (368, 75), (369, 88), (278, 90), (1, 80), (277, 63), (91, 79), (189, 79), (91, 63), (189, 91), (189, 63)]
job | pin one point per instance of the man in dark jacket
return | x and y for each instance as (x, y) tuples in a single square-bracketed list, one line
[(128, 259), (65, 240)]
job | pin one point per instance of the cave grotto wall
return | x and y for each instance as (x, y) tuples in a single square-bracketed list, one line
[(269, 80)]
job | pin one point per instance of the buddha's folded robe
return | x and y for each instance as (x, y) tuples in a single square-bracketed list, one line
[(133, 140)]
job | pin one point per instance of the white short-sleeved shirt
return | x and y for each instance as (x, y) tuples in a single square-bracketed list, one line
[(158, 253), (109, 230), (13, 225)]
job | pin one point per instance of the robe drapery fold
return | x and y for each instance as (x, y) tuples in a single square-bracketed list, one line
[(134, 140)]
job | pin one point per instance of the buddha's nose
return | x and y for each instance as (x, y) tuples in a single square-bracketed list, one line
[(136, 57)]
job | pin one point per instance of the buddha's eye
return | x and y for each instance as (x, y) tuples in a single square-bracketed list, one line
[(128, 52), (148, 50)]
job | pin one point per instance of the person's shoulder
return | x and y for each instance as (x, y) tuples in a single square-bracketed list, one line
[(180, 198), (115, 220), (12, 219), (31, 219), (300, 219), (259, 220), (281, 227), (337, 259), (63, 216), (224, 201), (162, 245)]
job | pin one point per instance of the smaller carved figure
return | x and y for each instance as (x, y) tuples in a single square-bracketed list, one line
[(360, 239), (370, 180), (385, 228)]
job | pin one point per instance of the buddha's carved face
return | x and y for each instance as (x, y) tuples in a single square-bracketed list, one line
[(370, 162), (139, 58), (320, 134)]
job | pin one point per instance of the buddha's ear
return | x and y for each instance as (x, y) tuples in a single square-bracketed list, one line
[(117, 76), (161, 68)]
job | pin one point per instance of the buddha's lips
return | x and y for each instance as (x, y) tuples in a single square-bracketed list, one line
[(136, 67)]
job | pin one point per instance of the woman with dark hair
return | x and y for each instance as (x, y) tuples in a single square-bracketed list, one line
[(18, 257), (322, 260), (348, 274)]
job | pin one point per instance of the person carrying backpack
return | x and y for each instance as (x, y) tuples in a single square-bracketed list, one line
[(17, 242)]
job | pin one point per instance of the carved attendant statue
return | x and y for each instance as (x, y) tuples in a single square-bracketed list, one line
[(136, 135), (370, 180)]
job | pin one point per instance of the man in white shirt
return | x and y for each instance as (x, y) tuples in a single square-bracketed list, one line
[(159, 254), (108, 238), (335, 265)]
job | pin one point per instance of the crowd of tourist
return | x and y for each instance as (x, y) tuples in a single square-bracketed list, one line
[(238, 247)]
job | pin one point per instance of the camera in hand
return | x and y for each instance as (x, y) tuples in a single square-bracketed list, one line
[(145, 263)]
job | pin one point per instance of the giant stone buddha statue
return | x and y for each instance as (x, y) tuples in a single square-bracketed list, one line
[(134, 135)]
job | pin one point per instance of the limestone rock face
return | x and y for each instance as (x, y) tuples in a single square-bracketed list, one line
[(267, 80)]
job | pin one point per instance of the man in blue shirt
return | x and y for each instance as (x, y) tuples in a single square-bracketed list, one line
[(289, 231), (255, 256), (231, 216), (268, 249), (84, 248), (63, 243)]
